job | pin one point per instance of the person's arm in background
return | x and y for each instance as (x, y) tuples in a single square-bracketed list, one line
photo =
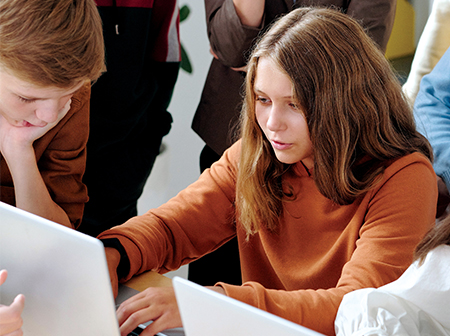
[(232, 28), (433, 43), (432, 114), (376, 16), (10, 316), (250, 12)]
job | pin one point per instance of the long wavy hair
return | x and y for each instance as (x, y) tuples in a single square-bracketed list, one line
[(353, 103)]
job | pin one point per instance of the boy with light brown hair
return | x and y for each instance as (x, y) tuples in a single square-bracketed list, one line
[(50, 53)]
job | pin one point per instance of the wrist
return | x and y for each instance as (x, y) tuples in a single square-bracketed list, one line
[(19, 159), (113, 256), (116, 254), (14, 151)]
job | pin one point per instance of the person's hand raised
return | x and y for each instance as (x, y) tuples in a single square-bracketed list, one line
[(11, 316)]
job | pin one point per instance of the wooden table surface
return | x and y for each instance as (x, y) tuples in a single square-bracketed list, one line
[(148, 279)]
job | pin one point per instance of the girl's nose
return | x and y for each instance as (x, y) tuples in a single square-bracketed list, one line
[(275, 121)]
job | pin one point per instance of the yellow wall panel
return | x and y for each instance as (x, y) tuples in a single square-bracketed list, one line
[(401, 42)]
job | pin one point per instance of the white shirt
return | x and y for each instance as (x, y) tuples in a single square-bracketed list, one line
[(418, 303)]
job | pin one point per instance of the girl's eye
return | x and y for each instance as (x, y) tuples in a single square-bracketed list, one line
[(25, 100), (293, 106), (262, 100)]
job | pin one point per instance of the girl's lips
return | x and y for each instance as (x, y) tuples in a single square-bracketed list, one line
[(280, 145)]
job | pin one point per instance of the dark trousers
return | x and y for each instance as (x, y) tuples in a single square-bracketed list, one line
[(128, 118)]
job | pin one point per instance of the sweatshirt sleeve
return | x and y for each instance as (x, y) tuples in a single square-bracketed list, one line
[(229, 38), (195, 222), (62, 157), (397, 214), (432, 114)]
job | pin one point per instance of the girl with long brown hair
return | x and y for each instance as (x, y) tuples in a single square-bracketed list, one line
[(328, 190)]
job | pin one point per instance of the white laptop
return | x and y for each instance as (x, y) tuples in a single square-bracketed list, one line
[(62, 273), (205, 313)]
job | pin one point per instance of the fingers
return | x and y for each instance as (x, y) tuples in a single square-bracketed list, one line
[(61, 114), (18, 304), (69, 102), (164, 322), (154, 304), (133, 312), (65, 109), (18, 332), (241, 69), (3, 276), (213, 53), (10, 317)]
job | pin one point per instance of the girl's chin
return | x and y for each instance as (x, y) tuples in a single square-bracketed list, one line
[(285, 160)]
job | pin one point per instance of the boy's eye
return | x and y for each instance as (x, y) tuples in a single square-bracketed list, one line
[(25, 100)]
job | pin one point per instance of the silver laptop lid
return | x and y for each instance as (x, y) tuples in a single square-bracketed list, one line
[(205, 313), (62, 273)]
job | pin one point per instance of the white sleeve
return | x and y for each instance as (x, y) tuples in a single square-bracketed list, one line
[(372, 312), (415, 304)]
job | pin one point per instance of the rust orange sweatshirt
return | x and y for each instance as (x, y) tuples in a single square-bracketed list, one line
[(321, 251)]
